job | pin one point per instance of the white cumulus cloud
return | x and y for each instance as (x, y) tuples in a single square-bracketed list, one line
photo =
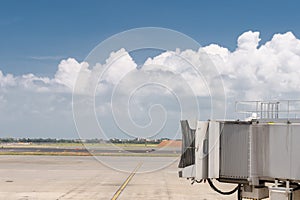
[(253, 71), (68, 71)]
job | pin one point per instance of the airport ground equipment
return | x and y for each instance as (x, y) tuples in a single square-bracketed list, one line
[(261, 155)]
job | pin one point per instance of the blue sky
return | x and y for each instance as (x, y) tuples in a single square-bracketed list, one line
[(43, 44), (36, 35)]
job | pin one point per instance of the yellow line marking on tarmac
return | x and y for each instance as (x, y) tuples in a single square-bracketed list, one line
[(122, 187)]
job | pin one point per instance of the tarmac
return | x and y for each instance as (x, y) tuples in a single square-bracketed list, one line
[(103, 177)]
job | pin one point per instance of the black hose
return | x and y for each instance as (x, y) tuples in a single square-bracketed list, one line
[(239, 195), (221, 192)]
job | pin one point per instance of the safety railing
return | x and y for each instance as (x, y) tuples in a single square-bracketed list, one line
[(287, 109)]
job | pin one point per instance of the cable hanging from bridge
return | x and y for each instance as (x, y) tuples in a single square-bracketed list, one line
[(221, 192)]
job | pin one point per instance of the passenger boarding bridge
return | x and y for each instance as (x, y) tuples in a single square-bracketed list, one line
[(262, 150)]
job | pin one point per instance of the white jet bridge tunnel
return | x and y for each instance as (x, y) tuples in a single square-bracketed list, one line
[(249, 153)]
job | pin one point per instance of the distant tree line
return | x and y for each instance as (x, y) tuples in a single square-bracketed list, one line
[(48, 140), (53, 140)]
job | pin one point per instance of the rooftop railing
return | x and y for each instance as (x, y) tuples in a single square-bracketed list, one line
[(287, 109)]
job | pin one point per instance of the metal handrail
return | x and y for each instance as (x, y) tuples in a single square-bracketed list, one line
[(270, 109)]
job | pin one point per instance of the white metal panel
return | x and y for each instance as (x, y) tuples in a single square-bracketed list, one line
[(189, 171), (214, 150), (279, 151), (281, 148), (295, 152), (201, 150), (259, 152), (234, 151)]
